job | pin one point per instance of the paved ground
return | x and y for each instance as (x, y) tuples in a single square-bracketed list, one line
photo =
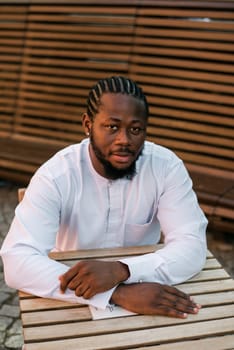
[(10, 324)]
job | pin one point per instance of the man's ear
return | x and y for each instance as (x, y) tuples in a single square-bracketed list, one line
[(87, 123)]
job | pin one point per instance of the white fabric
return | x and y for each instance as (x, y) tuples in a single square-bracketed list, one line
[(69, 206)]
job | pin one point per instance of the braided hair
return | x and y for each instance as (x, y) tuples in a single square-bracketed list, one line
[(115, 84)]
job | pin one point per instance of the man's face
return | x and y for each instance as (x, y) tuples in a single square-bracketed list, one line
[(117, 135)]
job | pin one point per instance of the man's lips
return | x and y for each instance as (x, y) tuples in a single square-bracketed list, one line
[(122, 153), (122, 157)]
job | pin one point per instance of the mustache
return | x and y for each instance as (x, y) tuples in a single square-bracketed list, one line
[(125, 150)]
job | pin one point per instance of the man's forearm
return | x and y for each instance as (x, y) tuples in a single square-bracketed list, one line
[(154, 299)]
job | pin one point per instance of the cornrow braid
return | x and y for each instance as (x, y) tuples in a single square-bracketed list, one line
[(115, 84)]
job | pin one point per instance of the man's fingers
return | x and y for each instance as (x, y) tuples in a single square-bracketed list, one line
[(178, 303), (66, 278), (74, 283), (177, 292), (167, 311), (63, 284), (182, 299)]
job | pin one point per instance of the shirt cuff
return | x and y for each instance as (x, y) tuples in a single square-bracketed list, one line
[(100, 300), (142, 268)]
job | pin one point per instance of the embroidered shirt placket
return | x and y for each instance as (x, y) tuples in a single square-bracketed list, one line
[(114, 213)]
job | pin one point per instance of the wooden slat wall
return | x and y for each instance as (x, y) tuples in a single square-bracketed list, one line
[(181, 52), (12, 32), (183, 57), (67, 49)]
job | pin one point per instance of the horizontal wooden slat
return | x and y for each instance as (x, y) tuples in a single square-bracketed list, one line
[(105, 253), (190, 34), (185, 83), (186, 13), (89, 65), (199, 117), (107, 9), (117, 30), (207, 299), (127, 324), (141, 337), (183, 63), (146, 72), (182, 43), (198, 127), (12, 26), (185, 23), (88, 46), (207, 287), (80, 37), (77, 18), (215, 343), (163, 130), (64, 315), (192, 105)]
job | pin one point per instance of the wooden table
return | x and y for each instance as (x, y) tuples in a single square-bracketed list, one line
[(50, 324)]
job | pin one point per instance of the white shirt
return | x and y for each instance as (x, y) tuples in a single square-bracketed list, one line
[(69, 206)]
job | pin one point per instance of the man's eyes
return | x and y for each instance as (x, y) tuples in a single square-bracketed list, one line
[(112, 127), (136, 130), (133, 130)]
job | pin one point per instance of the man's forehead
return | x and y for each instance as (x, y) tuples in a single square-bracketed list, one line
[(115, 100)]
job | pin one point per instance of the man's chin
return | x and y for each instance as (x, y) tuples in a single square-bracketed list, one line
[(121, 166), (119, 170)]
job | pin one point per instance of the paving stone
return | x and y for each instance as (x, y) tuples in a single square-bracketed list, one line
[(5, 322), (10, 310), (6, 289), (14, 341), (15, 300), (16, 328), (2, 339), (3, 297)]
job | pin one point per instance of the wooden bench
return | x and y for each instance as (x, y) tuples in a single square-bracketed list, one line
[(180, 52)]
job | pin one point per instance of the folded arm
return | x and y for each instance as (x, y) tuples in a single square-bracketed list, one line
[(31, 237), (184, 228)]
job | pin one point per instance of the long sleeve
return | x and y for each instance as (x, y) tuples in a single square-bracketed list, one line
[(67, 206), (32, 236), (184, 228)]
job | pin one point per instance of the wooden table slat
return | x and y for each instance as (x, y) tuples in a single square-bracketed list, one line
[(37, 304), (207, 287), (55, 316), (78, 329), (141, 337), (211, 263), (216, 343), (106, 252)]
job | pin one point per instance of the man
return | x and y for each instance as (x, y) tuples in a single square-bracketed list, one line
[(113, 189)]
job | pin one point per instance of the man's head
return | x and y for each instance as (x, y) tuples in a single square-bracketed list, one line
[(116, 120)]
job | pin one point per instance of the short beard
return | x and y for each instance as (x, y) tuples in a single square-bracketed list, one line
[(112, 172)]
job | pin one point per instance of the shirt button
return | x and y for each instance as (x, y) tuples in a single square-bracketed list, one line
[(141, 279)]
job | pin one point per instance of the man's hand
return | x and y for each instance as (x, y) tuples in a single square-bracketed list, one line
[(90, 277), (154, 299)]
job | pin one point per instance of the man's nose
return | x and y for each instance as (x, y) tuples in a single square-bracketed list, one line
[(123, 136)]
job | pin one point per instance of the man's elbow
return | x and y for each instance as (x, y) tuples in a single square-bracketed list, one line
[(11, 272)]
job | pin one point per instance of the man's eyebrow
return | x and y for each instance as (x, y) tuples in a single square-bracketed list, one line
[(119, 120)]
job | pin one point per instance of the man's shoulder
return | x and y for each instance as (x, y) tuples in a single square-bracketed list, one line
[(65, 159), (158, 152)]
